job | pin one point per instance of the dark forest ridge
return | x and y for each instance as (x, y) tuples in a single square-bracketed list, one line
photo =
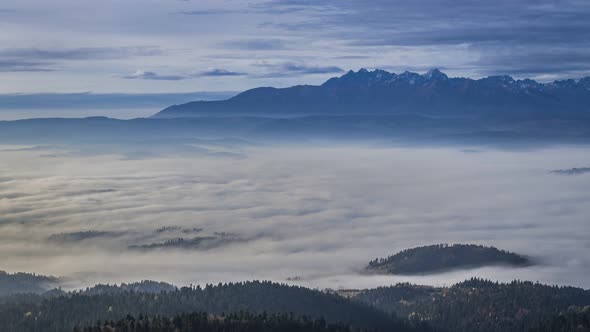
[(381, 92), (65, 311), (234, 322), (443, 257), (473, 305), (478, 305)]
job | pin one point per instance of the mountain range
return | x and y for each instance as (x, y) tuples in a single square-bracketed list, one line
[(379, 92), (376, 106)]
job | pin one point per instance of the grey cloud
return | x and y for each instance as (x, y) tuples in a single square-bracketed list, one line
[(384, 22), (220, 72), (150, 75), (305, 69), (289, 69), (285, 9), (207, 12), (572, 171), (85, 53), (257, 44), (540, 30), (250, 8), (15, 65), (532, 61), (351, 57), (47, 60)]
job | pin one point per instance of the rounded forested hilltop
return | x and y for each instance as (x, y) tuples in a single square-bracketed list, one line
[(443, 257), (12, 283)]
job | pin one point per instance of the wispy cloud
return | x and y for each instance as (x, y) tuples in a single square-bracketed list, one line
[(219, 72), (49, 60), (305, 69), (207, 12), (289, 69), (150, 75), (16, 65), (572, 171), (84, 53), (256, 44)]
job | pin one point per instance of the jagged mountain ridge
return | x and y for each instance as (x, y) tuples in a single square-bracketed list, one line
[(381, 92)]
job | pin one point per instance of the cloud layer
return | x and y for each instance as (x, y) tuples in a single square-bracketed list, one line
[(317, 213)]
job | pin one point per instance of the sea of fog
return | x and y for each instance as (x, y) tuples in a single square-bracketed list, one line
[(314, 213)]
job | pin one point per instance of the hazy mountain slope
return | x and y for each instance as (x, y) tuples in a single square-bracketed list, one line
[(404, 129)]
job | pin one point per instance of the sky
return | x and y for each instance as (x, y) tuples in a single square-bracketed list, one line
[(175, 46), (318, 212)]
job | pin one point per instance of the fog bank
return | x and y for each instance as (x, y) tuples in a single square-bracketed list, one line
[(318, 213)]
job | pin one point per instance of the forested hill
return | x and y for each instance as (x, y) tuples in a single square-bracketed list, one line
[(480, 306), (63, 313), (575, 319), (145, 286), (472, 306), (442, 257), (235, 322), (12, 283)]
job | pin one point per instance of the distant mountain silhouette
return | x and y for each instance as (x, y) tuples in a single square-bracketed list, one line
[(379, 92), (406, 108)]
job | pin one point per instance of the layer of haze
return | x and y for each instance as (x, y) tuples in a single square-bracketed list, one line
[(318, 213)]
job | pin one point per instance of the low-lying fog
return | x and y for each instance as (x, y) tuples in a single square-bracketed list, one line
[(318, 213)]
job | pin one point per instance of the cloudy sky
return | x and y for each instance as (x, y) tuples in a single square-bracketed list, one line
[(174, 46)]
